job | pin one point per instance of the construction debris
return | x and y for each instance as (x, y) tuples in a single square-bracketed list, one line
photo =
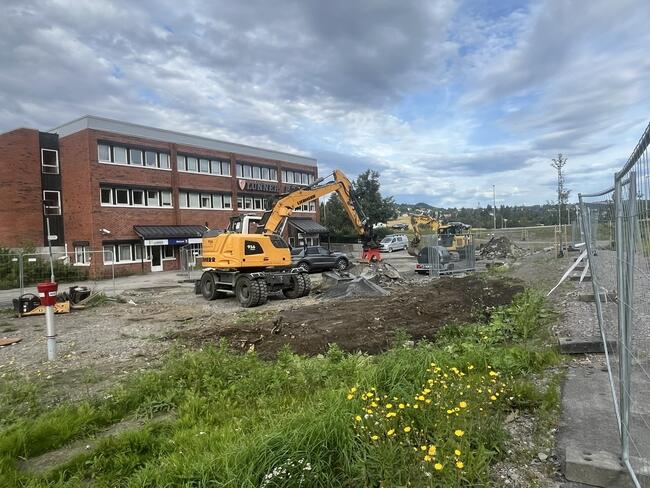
[(8, 341), (500, 248), (347, 286)]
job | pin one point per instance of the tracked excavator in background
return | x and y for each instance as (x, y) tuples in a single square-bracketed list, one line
[(454, 236), (251, 265)]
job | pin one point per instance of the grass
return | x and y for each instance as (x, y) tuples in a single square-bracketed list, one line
[(239, 421)]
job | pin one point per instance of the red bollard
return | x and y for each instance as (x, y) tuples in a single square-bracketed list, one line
[(47, 294)]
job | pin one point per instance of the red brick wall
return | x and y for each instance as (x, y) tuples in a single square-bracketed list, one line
[(21, 214)]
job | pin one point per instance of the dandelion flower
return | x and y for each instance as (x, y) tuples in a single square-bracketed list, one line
[(353, 390), (421, 398), (427, 458), (424, 448), (391, 414), (390, 432), (350, 396), (389, 406), (375, 437), (401, 405), (493, 398), (460, 465), (358, 418), (438, 466), (457, 452), (450, 411), (462, 404), (432, 450), (494, 373), (407, 429), (459, 433)]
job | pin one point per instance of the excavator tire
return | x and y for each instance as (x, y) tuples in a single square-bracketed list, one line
[(307, 287), (248, 291), (298, 288), (263, 291), (208, 286)]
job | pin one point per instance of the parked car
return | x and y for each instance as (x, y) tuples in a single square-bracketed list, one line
[(318, 258), (399, 226), (427, 259), (394, 242)]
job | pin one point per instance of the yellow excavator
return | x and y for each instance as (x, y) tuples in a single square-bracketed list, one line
[(454, 236), (252, 265)]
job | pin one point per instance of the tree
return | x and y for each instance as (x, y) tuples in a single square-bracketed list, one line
[(366, 192)]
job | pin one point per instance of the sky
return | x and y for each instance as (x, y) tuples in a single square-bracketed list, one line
[(443, 98)]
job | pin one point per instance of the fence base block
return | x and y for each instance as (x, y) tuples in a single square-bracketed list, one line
[(577, 278), (604, 298), (599, 468), (585, 345)]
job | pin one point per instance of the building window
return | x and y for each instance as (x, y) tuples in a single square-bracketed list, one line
[(193, 200), (136, 157), (139, 254), (104, 152), (206, 201), (82, 254), (51, 202), (192, 164), (50, 161), (122, 253), (121, 196), (181, 163), (109, 254), (115, 154), (136, 197), (204, 165), (168, 252), (120, 155), (252, 203)]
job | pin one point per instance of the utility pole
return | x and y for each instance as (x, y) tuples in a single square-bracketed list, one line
[(494, 208), (558, 164)]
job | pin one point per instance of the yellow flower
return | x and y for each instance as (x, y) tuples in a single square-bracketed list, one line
[(450, 411), (391, 414), (401, 405), (460, 465), (459, 433), (358, 418), (428, 400), (370, 394), (438, 466), (389, 406), (462, 404), (415, 406), (432, 450), (407, 429), (427, 458), (375, 437), (494, 373), (421, 398), (470, 367), (353, 390), (373, 404), (424, 448), (493, 398), (350, 397), (457, 452), (426, 391), (390, 432)]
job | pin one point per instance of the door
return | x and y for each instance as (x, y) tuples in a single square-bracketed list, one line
[(326, 258), (156, 258)]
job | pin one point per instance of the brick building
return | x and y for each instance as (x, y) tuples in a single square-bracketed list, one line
[(138, 193)]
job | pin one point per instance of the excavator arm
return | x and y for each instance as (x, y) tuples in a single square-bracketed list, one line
[(286, 205), (417, 220)]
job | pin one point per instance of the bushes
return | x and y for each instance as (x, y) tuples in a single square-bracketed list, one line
[(35, 269)]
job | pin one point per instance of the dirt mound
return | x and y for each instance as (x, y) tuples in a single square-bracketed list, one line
[(366, 324), (500, 248)]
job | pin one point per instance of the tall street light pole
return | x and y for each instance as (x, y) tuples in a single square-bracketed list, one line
[(494, 208)]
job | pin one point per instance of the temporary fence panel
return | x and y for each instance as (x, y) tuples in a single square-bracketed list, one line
[(10, 271), (616, 228), (436, 259), (191, 259)]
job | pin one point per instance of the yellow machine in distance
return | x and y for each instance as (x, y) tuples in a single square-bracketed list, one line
[(454, 236)]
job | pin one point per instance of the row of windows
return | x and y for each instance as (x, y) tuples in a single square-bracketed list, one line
[(134, 157), (254, 172), (204, 200), (297, 177), (261, 203), (136, 197), (191, 164), (127, 253)]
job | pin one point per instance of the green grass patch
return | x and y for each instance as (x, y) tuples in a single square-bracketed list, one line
[(431, 415)]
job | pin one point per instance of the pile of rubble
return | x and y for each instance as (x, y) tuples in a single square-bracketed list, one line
[(500, 248), (362, 281)]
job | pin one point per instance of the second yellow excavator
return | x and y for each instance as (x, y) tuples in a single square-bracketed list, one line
[(252, 265), (454, 236)]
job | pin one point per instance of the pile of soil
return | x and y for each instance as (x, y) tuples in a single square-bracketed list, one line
[(500, 248), (366, 324)]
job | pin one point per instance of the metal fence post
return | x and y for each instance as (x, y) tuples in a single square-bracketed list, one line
[(21, 274)]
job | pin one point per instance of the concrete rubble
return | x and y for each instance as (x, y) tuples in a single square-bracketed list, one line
[(500, 248)]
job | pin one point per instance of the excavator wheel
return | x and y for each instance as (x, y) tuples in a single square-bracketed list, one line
[(307, 287), (298, 289), (208, 286), (249, 292)]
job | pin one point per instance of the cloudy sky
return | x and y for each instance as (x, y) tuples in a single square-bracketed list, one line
[(444, 98)]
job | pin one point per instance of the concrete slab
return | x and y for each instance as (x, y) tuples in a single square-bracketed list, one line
[(585, 345), (588, 425), (600, 468)]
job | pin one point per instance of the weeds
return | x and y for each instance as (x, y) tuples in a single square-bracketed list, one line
[(317, 422)]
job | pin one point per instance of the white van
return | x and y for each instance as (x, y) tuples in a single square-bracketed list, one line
[(395, 242)]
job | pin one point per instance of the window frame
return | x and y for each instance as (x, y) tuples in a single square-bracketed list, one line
[(55, 165), (85, 255), (47, 207), (136, 151), (122, 151), (116, 197)]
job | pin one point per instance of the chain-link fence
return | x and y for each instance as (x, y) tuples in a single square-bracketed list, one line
[(622, 262), (439, 256), (191, 259), (531, 238)]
